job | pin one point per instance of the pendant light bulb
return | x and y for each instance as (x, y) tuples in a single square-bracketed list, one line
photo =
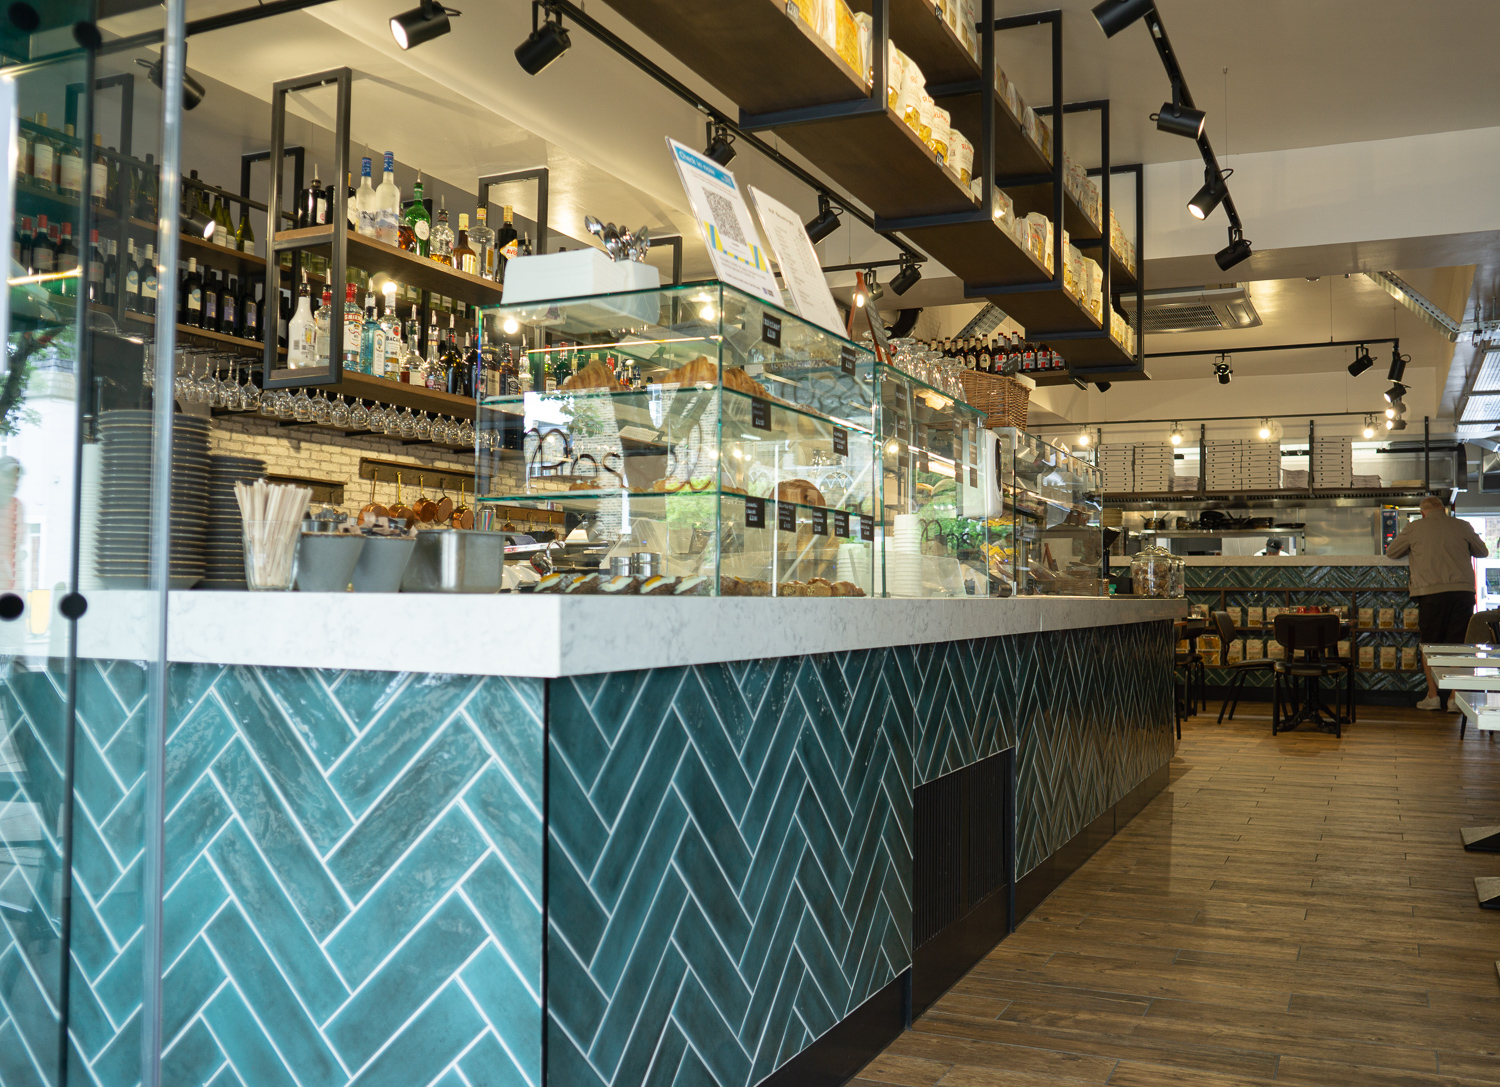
[(1369, 431), (1176, 436), (511, 326), (1083, 438)]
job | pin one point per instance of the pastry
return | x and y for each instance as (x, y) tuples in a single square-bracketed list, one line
[(791, 588), (587, 585), (553, 582), (818, 587), (593, 376), (847, 588), (658, 586), (693, 585), (799, 491), (620, 583), (731, 586)]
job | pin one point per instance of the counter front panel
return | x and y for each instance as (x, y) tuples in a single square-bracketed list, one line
[(354, 859)]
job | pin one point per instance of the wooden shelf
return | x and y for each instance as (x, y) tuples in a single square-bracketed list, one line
[(210, 336), (922, 34), (364, 387), (220, 257), (409, 268), (883, 163), (757, 52)]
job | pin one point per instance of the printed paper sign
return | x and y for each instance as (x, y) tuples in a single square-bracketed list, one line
[(728, 230), (799, 262)]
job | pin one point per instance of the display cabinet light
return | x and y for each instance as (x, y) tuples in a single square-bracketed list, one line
[(430, 20)]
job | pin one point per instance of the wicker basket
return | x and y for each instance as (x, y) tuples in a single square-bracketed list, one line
[(1004, 399)]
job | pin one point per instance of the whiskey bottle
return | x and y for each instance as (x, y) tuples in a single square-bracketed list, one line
[(302, 333), (464, 257), (440, 246)]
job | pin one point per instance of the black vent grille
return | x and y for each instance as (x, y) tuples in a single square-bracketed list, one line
[(959, 844)]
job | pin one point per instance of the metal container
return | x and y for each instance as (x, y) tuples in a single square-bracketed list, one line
[(456, 561), (325, 562), (382, 564), (644, 564), (621, 565)]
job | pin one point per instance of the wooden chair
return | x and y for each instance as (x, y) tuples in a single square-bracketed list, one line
[(1240, 669), (1317, 638)]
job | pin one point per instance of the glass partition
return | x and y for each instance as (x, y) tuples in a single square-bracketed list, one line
[(1055, 540)]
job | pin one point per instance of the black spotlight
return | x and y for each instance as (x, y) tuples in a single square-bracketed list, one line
[(1398, 365), (1237, 250), (825, 222), (1102, 386), (1223, 371), (195, 224), (1115, 15), (1395, 393), (192, 90), (720, 145), (1181, 120), (547, 42), (907, 278), (1362, 362), (1202, 205), (872, 286)]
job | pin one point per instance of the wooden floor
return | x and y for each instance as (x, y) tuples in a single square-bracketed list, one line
[(1295, 909)]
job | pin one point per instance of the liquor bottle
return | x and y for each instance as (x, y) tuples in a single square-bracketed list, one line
[(388, 204), (464, 257), (390, 328), (43, 252), (149, 278), (482, 238), (208, 314), (440, 245), (20, 244), (70, 165), (205, 206), (250, 309), (473, 366), (223, 226), (131, 279), (143, 207), (416, 225), (371, 341), (302, 332), (506, 240), (43, 158), (312, 202), (244, 234), (526, 245), (430, 363), (100, 174), (23, 154), (66, 260), (97, 281), (229, 307), (321, 321), (366, 204), (190, 291), (354, 327), (351, 202)]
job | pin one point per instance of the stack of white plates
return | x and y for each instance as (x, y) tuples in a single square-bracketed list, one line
[(125, 489), (88, 517), (904, 557), (224, 546)]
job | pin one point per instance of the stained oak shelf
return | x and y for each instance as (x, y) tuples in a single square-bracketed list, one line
[(364, 387), (404, 267)]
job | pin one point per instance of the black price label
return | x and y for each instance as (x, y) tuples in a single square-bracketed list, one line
[(902, 429), (760, 414), (973, 477), (840, 442), (820, 521), (770, 329), (755, 513), (841, 523), (922, 463), (847, 358), (786, 516), (866, 528)]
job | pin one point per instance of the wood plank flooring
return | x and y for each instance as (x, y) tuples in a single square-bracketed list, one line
[(1293, 909)]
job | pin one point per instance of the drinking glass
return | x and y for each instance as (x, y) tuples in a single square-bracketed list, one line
[(359, 415), (339, 417), (302, 409), (322, 409), (408, 424), (424, 427), (465, 435)]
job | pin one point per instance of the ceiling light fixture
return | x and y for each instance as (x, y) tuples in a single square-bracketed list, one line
[(192, 90), (875, 289), (720, 144), (1398, 364), (1114, 16), (1395, 392), (430, 20), (1223, 370), (1369, 431), (193, 222), (510, 325), (907, 278), (1236, 251), (1202, 205), (1180, 120), (1176, 436), (1396, 424), (1362, 362), (1083, 438), (1102, 386), (826, 221)]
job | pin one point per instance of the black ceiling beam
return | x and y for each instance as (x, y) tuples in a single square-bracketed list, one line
[(1395, 341)]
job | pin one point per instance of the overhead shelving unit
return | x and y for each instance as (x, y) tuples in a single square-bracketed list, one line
[(786, 79)]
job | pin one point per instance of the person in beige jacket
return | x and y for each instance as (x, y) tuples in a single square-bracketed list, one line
[(1441, 580)]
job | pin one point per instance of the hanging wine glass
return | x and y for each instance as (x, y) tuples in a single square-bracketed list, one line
[(424, 427), (322, 409), (302, 409), (359, 415), (340, 415), (408, 423)]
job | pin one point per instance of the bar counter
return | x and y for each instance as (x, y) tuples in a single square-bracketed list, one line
[(763, 832)]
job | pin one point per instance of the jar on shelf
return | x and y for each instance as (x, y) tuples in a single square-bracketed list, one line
[(1179, 577)]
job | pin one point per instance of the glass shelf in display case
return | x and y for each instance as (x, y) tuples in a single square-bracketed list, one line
[(724, 435), (935, 535), (1050, 538)]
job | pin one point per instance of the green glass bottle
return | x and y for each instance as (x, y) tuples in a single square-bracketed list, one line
[(416, 224)]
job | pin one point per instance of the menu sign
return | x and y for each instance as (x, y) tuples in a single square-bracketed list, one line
[(820, 521), (760, 414), (770, 329), (786, 517), (847, 358), (841, 523), (840, 442), (755, 513), (728, 230), (866, 528)]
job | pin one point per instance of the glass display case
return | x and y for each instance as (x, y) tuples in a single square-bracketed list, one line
[(1049, 538), (935, 536), (695, 441)]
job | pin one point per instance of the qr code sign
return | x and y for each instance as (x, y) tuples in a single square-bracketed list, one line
[(725, 220)]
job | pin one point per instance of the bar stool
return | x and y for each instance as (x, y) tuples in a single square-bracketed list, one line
[(1240, 669), (1314, 636)]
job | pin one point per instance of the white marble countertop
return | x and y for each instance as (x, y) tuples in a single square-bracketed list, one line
[(550, 636), (1292, 560)]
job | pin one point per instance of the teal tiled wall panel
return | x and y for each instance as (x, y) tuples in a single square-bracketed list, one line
[(353, 879), (354, 859), (1342, 578)]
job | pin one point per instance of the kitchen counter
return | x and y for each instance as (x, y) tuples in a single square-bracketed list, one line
[(549, 636)]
